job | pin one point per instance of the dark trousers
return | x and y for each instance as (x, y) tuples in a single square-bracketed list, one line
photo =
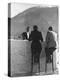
[(35, 60), (36, 50)]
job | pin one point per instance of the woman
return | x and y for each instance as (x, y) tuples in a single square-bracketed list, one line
[(36, 38)]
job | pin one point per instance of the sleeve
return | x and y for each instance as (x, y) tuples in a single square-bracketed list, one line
[(41, 37), (30, 37), (48, 37)]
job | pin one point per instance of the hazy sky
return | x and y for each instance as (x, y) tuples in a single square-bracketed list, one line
[(17, 8)]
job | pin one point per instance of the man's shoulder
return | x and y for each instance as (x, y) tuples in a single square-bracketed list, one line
[(35, 32), (49, 33)]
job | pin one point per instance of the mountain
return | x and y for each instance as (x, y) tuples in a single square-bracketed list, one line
[(40, 16)]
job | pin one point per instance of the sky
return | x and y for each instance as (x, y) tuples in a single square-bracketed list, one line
[(42, 17), (17, 8)]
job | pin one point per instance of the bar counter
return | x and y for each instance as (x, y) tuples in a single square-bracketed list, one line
[(19, 58)]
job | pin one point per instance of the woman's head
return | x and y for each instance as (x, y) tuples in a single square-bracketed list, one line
[(35, 27)]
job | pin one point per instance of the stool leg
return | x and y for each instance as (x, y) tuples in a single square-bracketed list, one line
[(46, 65), (32, 65), (39, 65), (52, 64)]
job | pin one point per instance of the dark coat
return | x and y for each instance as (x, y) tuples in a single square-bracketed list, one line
[(36, 37), (36, 47)]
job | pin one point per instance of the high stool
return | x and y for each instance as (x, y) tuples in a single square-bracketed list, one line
[(51, 61)]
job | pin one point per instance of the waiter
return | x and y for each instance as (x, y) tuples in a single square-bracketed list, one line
[(26, 34)]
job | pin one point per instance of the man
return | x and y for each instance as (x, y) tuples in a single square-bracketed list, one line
[(36, 38), (50, 45), (26, 34)]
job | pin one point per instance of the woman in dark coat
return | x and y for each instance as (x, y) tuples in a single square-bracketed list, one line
[(36, 38)]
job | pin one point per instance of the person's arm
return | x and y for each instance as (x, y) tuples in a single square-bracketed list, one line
[(48, 37), (30, 37), (41, 36)]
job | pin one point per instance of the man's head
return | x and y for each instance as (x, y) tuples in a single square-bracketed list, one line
[(35, 27), (27, 29), (50, 28)]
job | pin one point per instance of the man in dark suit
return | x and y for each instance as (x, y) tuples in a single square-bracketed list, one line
[(36, 38), (26, 34)]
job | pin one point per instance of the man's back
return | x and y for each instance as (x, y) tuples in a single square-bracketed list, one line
[(50, 40)]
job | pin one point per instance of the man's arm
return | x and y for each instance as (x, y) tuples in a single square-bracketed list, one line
[(48, 37)]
